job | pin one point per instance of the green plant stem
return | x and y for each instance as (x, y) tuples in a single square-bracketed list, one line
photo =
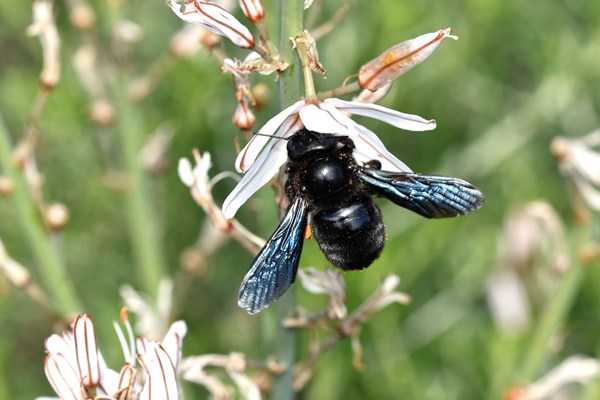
[(141, 217), (291, 19), (551, 320), (52, 270)]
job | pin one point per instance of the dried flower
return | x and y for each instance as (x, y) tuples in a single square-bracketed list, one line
[(44, 27), (214, 18), (399, 59), (243, 118), (533, 258), (327, 282), (579, 162), (194, 369), (197, 179), (328, 116)]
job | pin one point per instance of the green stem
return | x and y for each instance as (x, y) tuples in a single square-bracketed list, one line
[(52, 269), (339, 91), (141, 218), (551, 320), (292, 18)]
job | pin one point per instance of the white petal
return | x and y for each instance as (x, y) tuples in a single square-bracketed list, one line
[(395, 118), (161, 378), (369, 147), (325, 118), (249, 153), (216, 19), (109, 381), (62, 377), (86, 350), (586, 161), (173, 341), (265, 167), (56, 344), (126, 382), (184, 170)]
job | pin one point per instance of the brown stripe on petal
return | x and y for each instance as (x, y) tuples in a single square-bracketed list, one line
[(86, 351), (167, 371), (62, 377), (199, 4)]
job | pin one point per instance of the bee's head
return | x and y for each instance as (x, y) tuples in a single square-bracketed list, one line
[(304, 145)]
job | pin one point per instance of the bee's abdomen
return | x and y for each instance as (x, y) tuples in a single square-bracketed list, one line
[(350, 235)]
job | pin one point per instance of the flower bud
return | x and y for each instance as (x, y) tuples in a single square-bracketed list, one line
[(399, 59), (6, 187), (243, 118), (253, 9), (57, 216), (102, 113), (86, 351), (82, 17)]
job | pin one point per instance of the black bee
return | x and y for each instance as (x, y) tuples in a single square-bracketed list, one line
[(324, 183)]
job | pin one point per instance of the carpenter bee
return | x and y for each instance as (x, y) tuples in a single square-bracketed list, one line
[(327, 188)]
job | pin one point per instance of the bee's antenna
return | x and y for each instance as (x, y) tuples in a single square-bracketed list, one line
[(271, 136)]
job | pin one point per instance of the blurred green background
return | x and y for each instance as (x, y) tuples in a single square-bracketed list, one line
[(520, 74)]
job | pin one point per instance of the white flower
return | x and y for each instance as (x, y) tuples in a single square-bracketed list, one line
[(76, 369), (327, 116)]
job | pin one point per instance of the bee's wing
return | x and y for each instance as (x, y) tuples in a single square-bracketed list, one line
[(431, 196), (274, 269)]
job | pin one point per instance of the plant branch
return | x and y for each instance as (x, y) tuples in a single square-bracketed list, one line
[(53, 272), (291, 19)]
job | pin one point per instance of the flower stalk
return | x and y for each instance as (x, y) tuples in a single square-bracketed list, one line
[(552, 319), (144, 235), (53, 271), (292, 21)]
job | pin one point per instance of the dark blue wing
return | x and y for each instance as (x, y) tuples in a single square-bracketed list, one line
[(274, 269), (431, 196)]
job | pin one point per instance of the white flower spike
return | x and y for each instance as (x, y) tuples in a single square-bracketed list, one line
[(267, 154), (214, 18)]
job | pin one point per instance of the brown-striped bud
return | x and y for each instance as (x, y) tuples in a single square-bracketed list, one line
[(399, 59), (243, 118), (253, 9)]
